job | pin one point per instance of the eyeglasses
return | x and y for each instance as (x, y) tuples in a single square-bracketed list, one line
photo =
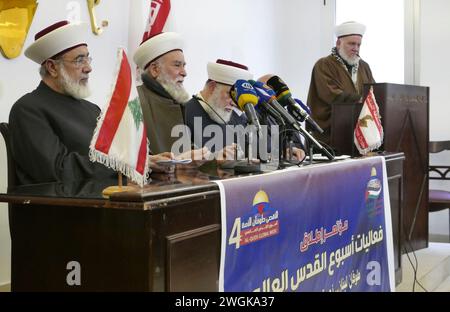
[(80, 61)]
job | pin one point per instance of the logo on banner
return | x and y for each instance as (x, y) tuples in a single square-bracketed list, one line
[(374, 205), (262, 222)]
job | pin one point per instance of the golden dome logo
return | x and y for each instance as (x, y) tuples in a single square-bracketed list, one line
[(260, 201), (260, 223)]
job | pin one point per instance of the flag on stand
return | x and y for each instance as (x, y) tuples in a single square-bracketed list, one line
[(159, 12), (120, 138), (369, 131)]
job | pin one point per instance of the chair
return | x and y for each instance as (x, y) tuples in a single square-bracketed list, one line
[(439, 199), (12, 178)]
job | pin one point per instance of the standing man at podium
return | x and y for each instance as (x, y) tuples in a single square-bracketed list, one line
[(339, 77)]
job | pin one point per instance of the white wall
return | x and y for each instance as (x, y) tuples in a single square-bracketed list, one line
[(269, 36), (387, 63), (238, 30), (434, 67), (297, 46), (434, 72)]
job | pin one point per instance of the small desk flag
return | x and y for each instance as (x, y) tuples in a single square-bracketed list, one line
[(369, 131), (120, 138)]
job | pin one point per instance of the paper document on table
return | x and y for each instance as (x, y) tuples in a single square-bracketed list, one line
[(320, 157), (173, 161)]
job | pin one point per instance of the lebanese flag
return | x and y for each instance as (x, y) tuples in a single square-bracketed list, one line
[(369, 131), (159, 12), (120, 138)]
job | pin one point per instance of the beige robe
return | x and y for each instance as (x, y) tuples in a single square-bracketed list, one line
[(331, 83)]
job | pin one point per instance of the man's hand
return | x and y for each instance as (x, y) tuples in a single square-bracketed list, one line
[(199, 156), (227, 153), (297, 153), (158, 168)]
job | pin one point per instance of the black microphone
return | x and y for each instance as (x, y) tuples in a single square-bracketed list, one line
[(264, 91), (284, 95), (272, 112), (268, 96), (263, 105)]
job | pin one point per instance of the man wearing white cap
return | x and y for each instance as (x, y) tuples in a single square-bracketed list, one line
[(51, 127), (213, 105), (339, 77), (162, 94)]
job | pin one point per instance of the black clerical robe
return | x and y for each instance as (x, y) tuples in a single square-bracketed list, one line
[(194, 109), (50, 135)]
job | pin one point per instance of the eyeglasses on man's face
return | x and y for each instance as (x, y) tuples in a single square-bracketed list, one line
[(79, 61)]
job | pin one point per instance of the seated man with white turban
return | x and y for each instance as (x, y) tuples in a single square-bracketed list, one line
[(162, 95), (214, 106), (339, 77), (51, 127)]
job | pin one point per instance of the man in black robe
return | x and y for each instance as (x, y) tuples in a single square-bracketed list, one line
[(212, 109), (51, 127), (213, 118)]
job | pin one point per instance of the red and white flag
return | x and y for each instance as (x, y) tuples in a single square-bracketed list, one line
[(120, 138), (159, 12), (369, 131), (156, 22)]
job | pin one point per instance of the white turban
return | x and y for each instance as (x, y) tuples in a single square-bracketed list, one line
[(227, 72), (156, 46), (349, 29), (56, 39)]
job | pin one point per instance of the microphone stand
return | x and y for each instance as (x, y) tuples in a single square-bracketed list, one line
[(311, 139), (248, 166), (310, 152), (286, 151)]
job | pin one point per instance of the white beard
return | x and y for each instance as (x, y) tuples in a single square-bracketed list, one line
[(72, 87), (215, 111), (177, 92), (350, 60)]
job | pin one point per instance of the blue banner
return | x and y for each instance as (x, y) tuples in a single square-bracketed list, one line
[(317, 228)]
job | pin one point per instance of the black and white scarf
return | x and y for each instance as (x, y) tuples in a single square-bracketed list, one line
[(352, 69)]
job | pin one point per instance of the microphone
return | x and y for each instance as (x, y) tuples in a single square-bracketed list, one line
[(304, 106), (263, 105), (268, 96), (283, 94), (245, 97)]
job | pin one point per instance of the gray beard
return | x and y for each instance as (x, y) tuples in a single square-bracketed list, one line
[(73, 88), (350, 60), (178, 93)]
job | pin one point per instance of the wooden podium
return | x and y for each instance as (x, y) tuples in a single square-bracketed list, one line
[(404, 113)]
